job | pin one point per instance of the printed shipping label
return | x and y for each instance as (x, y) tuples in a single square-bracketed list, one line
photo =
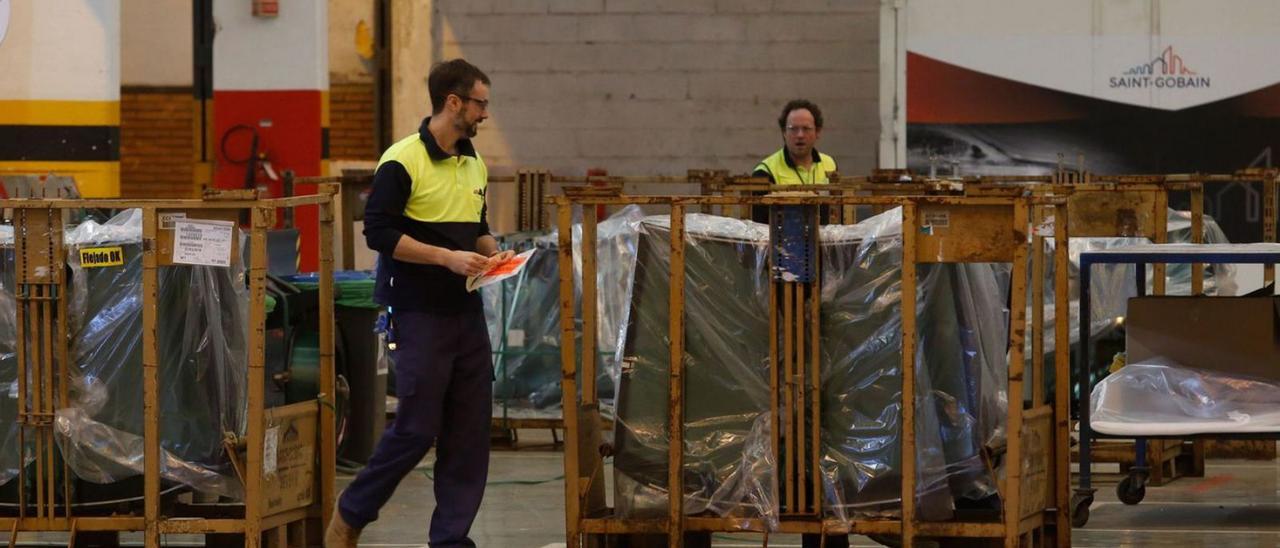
[(201, 242)]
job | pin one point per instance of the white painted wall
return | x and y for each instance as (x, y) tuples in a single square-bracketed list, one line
[(279, 53), (155, 43), (411, 55), (345, 20), (156, 40), (61, 50)]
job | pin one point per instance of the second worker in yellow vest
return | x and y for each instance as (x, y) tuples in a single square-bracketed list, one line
[(798, 162)]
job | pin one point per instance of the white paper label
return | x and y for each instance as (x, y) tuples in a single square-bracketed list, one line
[(167, 220), (937, 219), (270, 443), (13, 390), (515, 338), (202, 242)]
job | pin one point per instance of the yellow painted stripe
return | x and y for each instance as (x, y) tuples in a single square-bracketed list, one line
[(94, 179), (202, 176), (59, 113), (324, 108)]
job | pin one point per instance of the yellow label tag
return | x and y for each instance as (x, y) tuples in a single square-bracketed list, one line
[(94, 257)]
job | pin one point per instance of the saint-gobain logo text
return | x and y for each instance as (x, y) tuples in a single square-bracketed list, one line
[(1166, 71)]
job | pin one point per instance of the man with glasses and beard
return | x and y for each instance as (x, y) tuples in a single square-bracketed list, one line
[(798, 162), (426, 218)]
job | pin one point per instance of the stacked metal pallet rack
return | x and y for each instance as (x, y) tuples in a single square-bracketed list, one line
[(279, 509), (980, 228)]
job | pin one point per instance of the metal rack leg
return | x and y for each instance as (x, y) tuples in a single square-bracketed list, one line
[(1132, 488), (1084, 493)]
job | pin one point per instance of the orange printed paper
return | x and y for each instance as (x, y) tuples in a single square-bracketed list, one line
[(500, 270)]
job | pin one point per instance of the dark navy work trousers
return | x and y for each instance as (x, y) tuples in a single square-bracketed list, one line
[(444, 380)]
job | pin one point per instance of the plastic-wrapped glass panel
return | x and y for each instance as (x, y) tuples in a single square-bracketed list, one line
[(729, 469), (9, 453), (1164, 398), (526, 309), (1112, 285), (1219, 278), (202, 337)]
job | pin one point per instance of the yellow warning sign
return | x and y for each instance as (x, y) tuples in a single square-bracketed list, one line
[(94, 257)]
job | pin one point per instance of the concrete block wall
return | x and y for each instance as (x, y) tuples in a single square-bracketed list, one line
[(658, 87)]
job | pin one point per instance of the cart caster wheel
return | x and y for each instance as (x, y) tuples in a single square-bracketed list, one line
[(1080, 509), (1131, 490)]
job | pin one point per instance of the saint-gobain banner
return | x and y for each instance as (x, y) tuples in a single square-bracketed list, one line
[(1009, 86)]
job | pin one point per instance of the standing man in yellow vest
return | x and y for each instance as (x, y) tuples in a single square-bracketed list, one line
[(798, 162), (426, 218)]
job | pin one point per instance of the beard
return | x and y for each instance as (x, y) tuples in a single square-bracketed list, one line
[(470, 129), (800, 150)]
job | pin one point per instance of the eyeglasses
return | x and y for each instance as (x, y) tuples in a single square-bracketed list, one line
[(800, 130), (484, 103)]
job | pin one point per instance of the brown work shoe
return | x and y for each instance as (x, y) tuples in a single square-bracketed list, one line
[(340, 534)]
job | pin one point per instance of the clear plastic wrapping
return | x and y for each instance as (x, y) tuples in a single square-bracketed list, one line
[(9, 450), (961, 373), (202, 333), (1219, 278), (523, 316), (616, 240), (1112, 284), (1164, 398), (524, 331)]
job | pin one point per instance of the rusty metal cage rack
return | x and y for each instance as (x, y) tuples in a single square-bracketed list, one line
[(1136, 206), (44, 368), (982, 228)]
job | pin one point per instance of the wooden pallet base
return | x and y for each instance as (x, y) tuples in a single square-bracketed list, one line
[(1240, 449), (1168, 459), (504, 434)]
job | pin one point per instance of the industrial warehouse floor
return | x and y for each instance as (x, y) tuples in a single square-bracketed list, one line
[(1236, 504)]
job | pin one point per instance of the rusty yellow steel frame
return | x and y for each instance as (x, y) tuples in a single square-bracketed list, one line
[(1269, 179), (982, 229), (42, 360), (534, 186)]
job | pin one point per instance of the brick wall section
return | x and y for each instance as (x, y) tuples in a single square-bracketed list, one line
[(351, 131), (156, 143), (644, 87)]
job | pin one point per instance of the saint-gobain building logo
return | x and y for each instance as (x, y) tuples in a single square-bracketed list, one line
[(1166, 71)]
